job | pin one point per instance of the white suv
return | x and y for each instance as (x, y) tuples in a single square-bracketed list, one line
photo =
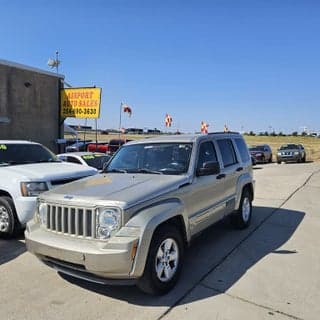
[(26, 170)]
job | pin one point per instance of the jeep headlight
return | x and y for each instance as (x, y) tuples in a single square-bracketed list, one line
[(33, 189), (108, 222), (41, 213)]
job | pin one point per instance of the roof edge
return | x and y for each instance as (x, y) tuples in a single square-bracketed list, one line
[(28, 68)]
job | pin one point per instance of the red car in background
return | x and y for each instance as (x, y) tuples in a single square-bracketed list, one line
[(107, 147)]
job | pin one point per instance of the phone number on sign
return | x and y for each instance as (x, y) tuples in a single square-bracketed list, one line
[(79, 111)]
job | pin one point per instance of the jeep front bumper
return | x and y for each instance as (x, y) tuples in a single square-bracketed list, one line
[(108, 261)]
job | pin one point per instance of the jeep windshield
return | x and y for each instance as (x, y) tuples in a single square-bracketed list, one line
[(15, 154), (152, 158)]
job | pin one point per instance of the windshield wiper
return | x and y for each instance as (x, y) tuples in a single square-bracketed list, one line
[(145, 170), (118, 170)]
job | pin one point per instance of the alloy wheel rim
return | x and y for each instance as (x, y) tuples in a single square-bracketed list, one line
[(167, 260), (4, 219), (246, 209)]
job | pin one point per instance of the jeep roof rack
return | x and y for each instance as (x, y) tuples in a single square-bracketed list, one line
[(230, 132)]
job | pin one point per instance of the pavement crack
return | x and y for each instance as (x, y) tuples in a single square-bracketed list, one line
[(223, 259), (251, 302)]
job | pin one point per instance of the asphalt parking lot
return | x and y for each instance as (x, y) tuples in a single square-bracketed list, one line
[(269, 271)]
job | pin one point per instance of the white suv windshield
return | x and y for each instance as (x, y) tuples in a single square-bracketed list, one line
[(158, 158), (13, 154)]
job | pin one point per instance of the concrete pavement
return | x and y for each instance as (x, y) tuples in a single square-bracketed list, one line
[(269, 271), (274, 272)]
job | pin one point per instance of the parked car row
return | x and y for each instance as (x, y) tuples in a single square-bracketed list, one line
[(88, 145), (286, 153)]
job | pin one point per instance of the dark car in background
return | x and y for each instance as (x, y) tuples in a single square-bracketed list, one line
[(261, 153), (291, 153), (80, 145)]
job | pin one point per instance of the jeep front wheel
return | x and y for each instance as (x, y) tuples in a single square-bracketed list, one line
[(164, 261)]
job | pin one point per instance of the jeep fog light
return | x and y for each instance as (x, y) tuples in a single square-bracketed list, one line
[(108, 222)]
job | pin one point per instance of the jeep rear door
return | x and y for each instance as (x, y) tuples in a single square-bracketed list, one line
[(231, 170)]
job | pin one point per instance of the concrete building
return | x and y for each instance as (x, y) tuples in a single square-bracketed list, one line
[(30, 104)]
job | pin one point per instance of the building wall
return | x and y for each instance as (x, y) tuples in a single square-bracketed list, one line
[(29, 105)]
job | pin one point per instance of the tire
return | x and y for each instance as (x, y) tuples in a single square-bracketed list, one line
[(270, 159), (9, 224), (160, 282), (304, 159), (242, 217), (279, 162)]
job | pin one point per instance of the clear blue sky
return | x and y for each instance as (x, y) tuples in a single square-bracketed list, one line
[(253, 65)]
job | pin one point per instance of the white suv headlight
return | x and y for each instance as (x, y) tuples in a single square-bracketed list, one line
[(33, 189), (108, 222)]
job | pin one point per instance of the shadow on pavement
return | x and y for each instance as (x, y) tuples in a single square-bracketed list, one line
[(11, 248), (270, 229)]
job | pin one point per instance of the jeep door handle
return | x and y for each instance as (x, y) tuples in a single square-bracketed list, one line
[(221, 176), (239, 169)]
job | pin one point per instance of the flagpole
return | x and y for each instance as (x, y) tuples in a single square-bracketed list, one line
[(120, 121)]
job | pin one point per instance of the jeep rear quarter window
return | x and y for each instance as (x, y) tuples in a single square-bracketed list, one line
[(227, 152), (243, 150)]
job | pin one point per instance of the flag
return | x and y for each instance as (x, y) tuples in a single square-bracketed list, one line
[(168, 120), (126, 109), (226, 129), (204, 127)]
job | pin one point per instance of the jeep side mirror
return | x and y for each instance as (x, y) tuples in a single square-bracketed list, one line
[(209, 168)]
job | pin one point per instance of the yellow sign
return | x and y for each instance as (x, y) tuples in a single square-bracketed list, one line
[(80, 102)]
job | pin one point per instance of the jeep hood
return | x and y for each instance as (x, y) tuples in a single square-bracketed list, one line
[(128, 189)]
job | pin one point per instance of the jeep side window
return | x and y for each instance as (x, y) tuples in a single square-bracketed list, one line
[(207, 153), (227, 152)]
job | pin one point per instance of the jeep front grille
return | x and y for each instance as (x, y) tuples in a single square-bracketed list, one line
[(71, 221)]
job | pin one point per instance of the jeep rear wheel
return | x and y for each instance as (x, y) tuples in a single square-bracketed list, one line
[(164, 261), (242, 217), (8, 224)]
